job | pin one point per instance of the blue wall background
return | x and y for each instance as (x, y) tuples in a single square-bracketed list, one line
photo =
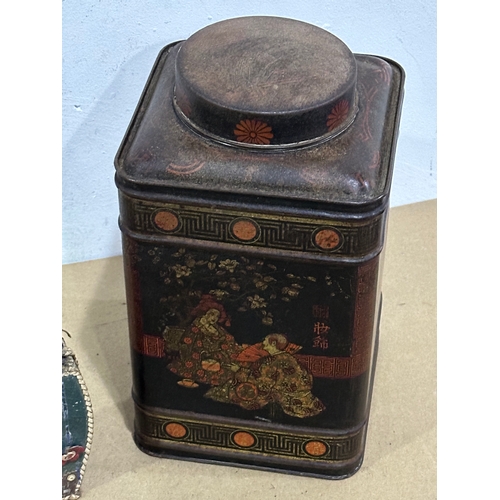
[(109, 48)]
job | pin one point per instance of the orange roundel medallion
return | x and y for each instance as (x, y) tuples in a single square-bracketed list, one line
[(244, 439), (315, 448), (166, 220), (327, 239), (245, 230), (175, 430)]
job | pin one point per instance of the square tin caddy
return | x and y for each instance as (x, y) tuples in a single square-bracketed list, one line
[(254, 182)]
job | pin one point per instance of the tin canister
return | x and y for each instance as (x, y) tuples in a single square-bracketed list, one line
[(254, 183)]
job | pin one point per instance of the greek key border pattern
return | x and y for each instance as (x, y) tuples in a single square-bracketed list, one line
[(278, 444), (282, 232)]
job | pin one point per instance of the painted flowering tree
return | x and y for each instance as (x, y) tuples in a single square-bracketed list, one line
[(251, 286)]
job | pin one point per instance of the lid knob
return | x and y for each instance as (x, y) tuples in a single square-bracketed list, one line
[(265, 82)]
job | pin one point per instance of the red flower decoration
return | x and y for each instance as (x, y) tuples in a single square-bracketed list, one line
[(72, 454), (339, 113), (188, 340), (253, 132)]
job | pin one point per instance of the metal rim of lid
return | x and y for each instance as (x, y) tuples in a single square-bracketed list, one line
[(299, 144)]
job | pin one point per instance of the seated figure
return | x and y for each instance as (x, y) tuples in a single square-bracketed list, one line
[(204, 350)]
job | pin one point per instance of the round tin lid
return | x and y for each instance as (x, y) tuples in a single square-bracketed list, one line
[(265, 82)]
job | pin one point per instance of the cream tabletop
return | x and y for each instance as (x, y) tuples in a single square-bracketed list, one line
[(400, 455)]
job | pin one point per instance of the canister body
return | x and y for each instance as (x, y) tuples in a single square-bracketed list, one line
[(207, 284)]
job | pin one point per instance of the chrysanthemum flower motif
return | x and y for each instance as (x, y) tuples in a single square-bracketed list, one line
[(253, 132), (219, 294), (339, 113), (181, 271), (228, 265), (257, 302)]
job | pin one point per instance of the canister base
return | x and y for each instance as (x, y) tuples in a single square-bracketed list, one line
[(334, 473)]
